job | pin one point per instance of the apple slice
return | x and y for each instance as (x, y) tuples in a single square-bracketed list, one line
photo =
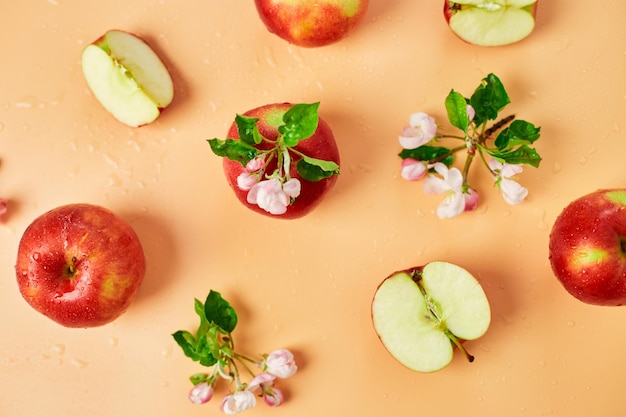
[(420, 314), (491, 22), (127, 77)]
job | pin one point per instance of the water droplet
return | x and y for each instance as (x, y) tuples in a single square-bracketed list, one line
[(582, 160), (36, 256), (58, 348), (114, 342), (571, 323), (556, 167), (166, 352), (1, 126), (79, 363)]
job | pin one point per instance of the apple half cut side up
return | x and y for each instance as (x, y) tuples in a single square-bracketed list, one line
[(491, 23), (127, 77), (420, 315)]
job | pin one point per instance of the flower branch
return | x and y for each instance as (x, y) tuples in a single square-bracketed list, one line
[(503, 147)]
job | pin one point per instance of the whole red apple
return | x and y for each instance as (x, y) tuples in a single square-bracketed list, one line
[(587, 247), (312, 23), (297, 147), (80, 265)]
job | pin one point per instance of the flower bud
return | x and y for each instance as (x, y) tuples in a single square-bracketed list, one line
[(280, 363), (201, 393)]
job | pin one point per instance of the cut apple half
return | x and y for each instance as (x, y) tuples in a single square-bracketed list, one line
[(491, 22), (127, 77), (421, 314)]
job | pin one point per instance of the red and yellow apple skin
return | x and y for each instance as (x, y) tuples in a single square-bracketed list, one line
[(587, 248), (321, 145), (80, 265), (309, 23)]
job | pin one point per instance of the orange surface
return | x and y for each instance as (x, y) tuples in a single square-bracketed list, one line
[(307, 284)]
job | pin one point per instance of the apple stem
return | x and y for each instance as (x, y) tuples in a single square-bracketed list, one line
[(459, 345), (71, 268)]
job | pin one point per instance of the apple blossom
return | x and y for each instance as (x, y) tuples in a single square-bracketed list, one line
[(280, 363), (421, 130), (273, 397), (255, 164), (471, 199), (213, 346), (292, 187), (269, 195), (512, 192), (506, 141), (201, 393), (450, 183), (412, 169), (247, 180), (238, 402)]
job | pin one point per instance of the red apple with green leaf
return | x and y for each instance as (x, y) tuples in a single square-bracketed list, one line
[(280, 159), (421, 314), (127, 77), (491, 22), (587, 248), (312, 23), (81, 265)]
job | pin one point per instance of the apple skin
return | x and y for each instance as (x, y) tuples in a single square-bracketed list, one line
[(448, 12), (321, 145), (80, 265), (587, 248), (310, 23)]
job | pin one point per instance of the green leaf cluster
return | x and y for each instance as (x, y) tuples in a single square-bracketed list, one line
[(212, 342), (299, 123)]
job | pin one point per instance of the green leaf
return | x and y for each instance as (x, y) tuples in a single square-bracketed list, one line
[(248, 129), (198, 378), (456, 106), (489, 99), (300, 122), (219, 311), (522, 155), (312, 169), (430, 154), (518, 133), (187, 342), (235, 150)]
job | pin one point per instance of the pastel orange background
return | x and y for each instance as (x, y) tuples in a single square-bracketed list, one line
[(307, 284)]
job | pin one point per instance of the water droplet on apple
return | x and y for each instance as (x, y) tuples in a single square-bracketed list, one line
[(36, 256)]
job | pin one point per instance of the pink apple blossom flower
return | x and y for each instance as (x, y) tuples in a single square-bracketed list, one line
[(269, 195), (273, 397), (255, 164), (280, 363), (471, 199), (238, 402), (261, 380), (412, 169), (471, 113), (247, 180), (422, 128), (450, 183), (201, 393), (512, 192), (292, 187)]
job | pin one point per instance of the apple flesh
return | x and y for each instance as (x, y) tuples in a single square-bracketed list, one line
[(311, 23), (127, 77), (491, 22), (421, 314), (587, 248), (80, 265), (321, 145)]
